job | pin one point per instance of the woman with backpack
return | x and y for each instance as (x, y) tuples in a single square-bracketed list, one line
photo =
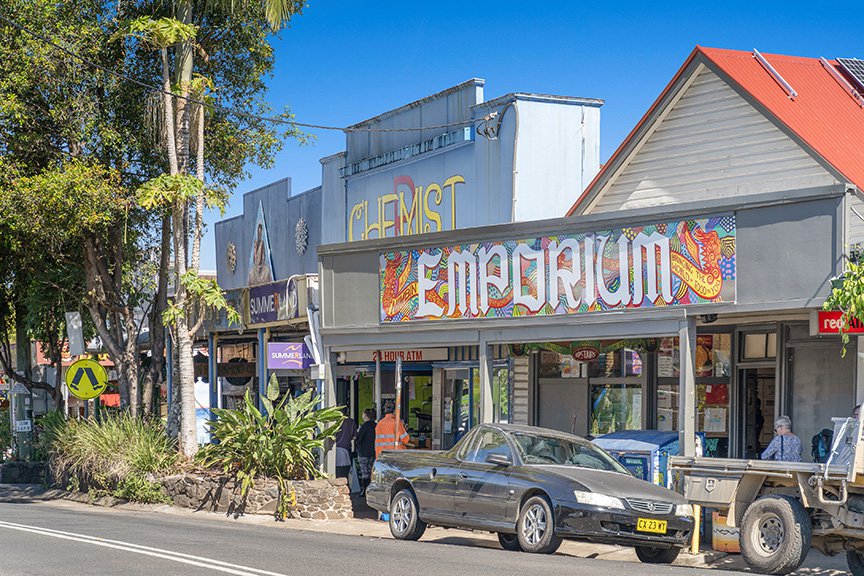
[(785, 445)]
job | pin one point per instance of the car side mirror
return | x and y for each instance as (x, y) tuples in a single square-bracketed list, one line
[(498, 459)]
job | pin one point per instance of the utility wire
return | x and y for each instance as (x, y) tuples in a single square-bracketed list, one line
[(267, 119)]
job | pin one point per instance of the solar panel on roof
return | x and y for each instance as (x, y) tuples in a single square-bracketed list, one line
[(855, 69)]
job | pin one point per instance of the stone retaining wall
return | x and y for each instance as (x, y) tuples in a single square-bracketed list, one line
[(315, 499), (22, 473)]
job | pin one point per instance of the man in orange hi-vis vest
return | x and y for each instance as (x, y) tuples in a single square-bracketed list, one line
[(388, 431)]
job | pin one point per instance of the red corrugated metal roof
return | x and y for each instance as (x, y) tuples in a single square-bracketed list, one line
[(822, 115)]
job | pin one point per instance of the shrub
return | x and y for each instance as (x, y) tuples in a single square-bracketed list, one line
[(115, 454), (279, 445), (5, 435), (139, 489), (49, 426)]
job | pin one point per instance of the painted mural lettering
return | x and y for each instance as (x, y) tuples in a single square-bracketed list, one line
[(408, 209), (667, 264)]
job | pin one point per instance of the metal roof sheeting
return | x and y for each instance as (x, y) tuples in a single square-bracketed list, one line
[(823, 116)]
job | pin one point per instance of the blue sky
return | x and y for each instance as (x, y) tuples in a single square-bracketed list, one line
[(341, 62)]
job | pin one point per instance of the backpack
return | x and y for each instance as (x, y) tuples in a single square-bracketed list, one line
[(821, 445)]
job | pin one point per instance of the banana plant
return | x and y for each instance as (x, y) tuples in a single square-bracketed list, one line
[(279, 443)]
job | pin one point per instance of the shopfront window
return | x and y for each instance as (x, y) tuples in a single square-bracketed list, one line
[(713, 379), (623, 363), (419, 416), (615, 407), (759, 346), (616, 379), (461, 387), (501, 393)]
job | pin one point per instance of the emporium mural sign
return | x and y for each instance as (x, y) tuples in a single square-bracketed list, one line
[(665, 264)]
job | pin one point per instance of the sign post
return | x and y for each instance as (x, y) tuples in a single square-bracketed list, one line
[(398, 413), (22, 420)]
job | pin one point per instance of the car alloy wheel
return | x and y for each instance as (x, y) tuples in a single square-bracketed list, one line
[(535, 525), (405, 522), (403, 513)]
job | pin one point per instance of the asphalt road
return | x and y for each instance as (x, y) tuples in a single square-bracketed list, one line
[(54, 539)]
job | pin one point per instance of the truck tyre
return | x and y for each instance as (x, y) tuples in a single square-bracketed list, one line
[(775, 535), (855, 561), (652, 555), (405, 522), (509, 542), (536, 527)]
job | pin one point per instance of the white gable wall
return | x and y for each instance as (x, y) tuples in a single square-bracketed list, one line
[(711, 144), (854, 218)]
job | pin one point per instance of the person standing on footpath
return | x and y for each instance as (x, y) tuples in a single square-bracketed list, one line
[(365, 445), (344, 439), (390, 434), (785, 446)]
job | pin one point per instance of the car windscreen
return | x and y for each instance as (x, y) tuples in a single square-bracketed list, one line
[(539, 449)]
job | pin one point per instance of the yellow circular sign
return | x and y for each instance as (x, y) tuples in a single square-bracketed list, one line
[(86, 379)]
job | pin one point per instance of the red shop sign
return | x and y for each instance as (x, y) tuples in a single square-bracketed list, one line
[(830, 323), (586, 354)]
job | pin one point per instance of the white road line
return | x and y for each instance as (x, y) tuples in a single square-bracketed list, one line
[(200, 561)]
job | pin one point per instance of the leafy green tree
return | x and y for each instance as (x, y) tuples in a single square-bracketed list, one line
[(57, 109), (205, 28), (847, 296)]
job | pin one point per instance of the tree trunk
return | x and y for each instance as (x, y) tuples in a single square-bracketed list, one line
[(114, 320), (153, 377), (186, 384), (168, 112), (185, 57), (199, 200)]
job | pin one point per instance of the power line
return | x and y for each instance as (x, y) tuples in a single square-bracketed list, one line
[(268, 119)]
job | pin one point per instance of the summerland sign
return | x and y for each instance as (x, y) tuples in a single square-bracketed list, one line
[(662, 264)]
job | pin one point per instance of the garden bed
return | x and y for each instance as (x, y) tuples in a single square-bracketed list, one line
[(326, 499)]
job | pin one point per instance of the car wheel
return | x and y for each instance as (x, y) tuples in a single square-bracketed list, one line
[(855, 561), (405, 522), (775, 535), (652, 555), (536, 527), (509, 542)]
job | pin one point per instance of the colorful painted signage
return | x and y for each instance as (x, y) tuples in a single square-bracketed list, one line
[(831, 322), (409, 208), (665, 264), (288, 356)]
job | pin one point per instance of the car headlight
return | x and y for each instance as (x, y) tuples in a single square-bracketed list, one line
[(684, 510), (601, 500)]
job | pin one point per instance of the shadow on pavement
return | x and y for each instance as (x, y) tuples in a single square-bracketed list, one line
[(23, 493), (817, 564)]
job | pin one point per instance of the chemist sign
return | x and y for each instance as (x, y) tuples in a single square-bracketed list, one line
[(86, 379)]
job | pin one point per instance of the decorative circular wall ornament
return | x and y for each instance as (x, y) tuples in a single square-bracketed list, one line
[(231, 257), (301, 236)]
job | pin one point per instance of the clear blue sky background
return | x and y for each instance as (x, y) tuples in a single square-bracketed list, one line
[(341, 62)]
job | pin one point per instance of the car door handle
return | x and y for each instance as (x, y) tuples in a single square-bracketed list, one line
[(463, 476)]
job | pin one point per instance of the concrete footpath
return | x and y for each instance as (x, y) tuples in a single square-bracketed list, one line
[(365, 525)]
